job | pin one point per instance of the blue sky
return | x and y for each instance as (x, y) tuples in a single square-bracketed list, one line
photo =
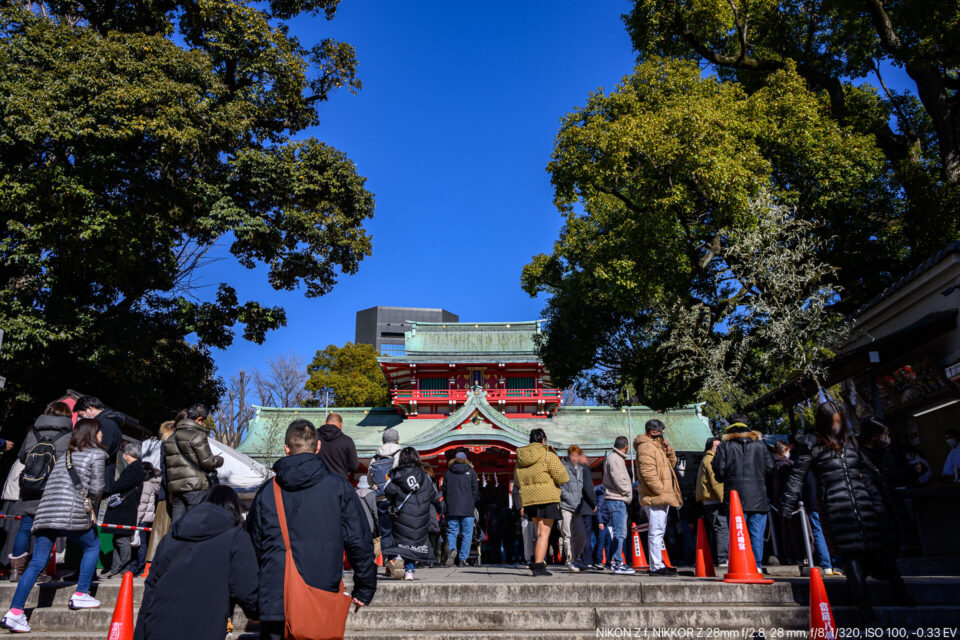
[(453, 129)]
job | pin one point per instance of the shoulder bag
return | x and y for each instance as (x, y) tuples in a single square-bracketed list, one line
[(308, 613), (78, 485)]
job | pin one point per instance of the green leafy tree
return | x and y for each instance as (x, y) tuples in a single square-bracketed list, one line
[(835, 46), (655, 180), (350, 376), (133, 138)]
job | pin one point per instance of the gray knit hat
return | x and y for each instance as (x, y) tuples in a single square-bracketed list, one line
[(391, 435)]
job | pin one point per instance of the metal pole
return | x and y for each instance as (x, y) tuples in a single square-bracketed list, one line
[(806, 534), (633, 472)]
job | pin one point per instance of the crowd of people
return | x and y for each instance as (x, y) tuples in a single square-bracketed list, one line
[(210, 554)]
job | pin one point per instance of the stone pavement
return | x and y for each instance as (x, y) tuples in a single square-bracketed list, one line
[(507, 603)]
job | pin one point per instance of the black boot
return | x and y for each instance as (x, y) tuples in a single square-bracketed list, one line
[(540, 569), (856, 591)]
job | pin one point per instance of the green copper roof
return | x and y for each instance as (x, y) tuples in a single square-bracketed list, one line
[(457, 338), (592, 428)]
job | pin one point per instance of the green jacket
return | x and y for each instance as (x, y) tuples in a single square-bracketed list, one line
[(185, 451)]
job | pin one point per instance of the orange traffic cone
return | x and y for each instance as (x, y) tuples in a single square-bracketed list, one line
[(704, 568), (665, 557), (821, 616), (623, 558), (639, 559), (742, 565), (346, 563), (51, 569), (379, 560), (121, 625), (146, 569), (604, 556)]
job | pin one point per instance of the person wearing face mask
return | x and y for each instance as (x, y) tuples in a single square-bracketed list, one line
[(951, 467), (852, 510)]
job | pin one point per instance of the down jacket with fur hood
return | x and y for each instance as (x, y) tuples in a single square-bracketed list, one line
[(741, 463)]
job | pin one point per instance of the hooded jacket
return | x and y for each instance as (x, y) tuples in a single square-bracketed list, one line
[(337, 450), (411, 493), (324, 518), (110, 422), (708, 489), (185, 451), (390, 450), (657, 483), (571, 491), (741, 463), (461, 491), (61, 507), (616, 479), (539, 474), (201, 568), (55, 428), (850, 503)]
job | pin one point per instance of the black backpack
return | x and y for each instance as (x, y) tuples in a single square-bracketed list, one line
[(379, 474), (37, 466)]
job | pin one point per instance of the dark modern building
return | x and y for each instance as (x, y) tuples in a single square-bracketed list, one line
[(384, 327)]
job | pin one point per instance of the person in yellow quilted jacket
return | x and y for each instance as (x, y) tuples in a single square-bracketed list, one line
[(539, 474), (710, 495)]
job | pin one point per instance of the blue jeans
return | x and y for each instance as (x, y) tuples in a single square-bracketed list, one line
[(385, 522), (617, 516), (821, 554), (757, 526), (87, 540), (21, 543), (454, 527), (410, 566)]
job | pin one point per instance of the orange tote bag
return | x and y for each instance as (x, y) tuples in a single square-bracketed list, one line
[(309, 613)]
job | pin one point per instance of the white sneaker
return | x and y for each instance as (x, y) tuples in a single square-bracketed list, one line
[(17, 624), (408, 575), (624, 570), (86, 601), (572, 567)]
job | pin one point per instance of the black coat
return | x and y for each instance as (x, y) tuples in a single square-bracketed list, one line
[(326, 517), (201, 568), (129, 485), (589, 503), (110, 421), (461, 490), (410, 539), (742, 462), (338, 450), (850, 507)]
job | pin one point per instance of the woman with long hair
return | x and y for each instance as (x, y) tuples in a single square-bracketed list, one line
[(851, 506), (539, 474), (53, 429), (202, 568), (410, 494), (67, 508)]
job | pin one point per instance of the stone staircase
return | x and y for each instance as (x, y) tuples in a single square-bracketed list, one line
[(507, 603)]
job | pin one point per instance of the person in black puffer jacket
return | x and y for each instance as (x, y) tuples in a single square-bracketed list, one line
[(849, 501), (201, 569), (742, 463), (411, 493)]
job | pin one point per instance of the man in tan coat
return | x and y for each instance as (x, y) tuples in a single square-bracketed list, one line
[(658, 488)]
